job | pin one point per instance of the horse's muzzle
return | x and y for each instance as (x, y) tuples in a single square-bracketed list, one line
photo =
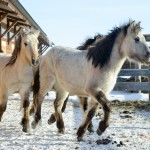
[(35, 62)]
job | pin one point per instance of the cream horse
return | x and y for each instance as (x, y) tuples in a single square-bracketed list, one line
[(88, 43), (17, 72), (89, 73)]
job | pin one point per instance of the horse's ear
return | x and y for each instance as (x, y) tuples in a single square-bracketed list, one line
[(131, 27), (22, 31), (138, 27), (134, 27), (37, 33)]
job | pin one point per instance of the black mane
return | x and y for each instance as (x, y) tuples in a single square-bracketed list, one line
[(16, 51), (100, 54), (89, 42)]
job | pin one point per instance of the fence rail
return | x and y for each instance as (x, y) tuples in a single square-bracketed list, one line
[(134, 86)]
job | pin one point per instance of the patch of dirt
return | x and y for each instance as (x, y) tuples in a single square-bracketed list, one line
[(131, 105)]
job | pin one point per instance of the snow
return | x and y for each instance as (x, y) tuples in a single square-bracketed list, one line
[(126, 96), (132, 131)]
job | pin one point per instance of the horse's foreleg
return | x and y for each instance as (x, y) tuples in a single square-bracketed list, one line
[(3, 105), (64, 105), (84, 107), (32, 110), (52, 118), (90, 114), (101, 98), (25, 119)]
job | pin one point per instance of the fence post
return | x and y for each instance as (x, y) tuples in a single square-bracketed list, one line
[(149, 83), (138, 78)]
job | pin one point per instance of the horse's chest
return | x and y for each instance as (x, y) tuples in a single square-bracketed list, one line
[(20, 80), (107, 83)]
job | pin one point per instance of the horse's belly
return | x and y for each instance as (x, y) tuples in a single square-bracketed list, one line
[(72, 88), (13, 89)]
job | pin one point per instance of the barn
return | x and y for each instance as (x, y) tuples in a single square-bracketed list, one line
[(12, 16)]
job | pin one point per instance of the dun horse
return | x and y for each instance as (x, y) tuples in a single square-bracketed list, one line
[(83, 100), (89, 73), (16, 72), (90, 42)]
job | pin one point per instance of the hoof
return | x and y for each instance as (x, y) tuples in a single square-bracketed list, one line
[(80, 139), (25, 129), (52, 119), (31, 112), (99, 132), (34, 124), (91, 130), (61, 131)]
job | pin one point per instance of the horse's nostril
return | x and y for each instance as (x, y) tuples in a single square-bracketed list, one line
[(35, 62), (148, 54)]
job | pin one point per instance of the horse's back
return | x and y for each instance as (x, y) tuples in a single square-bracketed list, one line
[(66, 56), (68, 65)]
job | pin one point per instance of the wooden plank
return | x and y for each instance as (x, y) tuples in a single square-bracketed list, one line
[(134, 72), (8, 34), (14, 35), (9, 28), (3, 17), (5, 8), (15, 17), (23, 24), (132, 86), (0, 39)]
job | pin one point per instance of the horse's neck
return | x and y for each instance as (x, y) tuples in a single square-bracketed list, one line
[(116, 61)]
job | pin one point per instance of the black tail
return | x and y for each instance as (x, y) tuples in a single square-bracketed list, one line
[(36, 85), (35, 88)]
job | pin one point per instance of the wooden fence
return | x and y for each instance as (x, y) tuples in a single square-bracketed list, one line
[(134, 86)]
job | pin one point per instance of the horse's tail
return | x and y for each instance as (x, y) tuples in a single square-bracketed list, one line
[(35, 88)]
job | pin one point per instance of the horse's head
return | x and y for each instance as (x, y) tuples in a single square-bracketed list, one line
[(30, 44), (134, 45)]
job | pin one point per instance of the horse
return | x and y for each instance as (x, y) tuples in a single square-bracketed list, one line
[(90, 73), (89, 42), (17, 72)]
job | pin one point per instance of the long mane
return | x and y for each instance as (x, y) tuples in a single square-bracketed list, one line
[(16, 51), (89, 41), (101, 53)]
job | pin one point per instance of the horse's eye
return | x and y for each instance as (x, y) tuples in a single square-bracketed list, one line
[(137, 39), (25, 44)]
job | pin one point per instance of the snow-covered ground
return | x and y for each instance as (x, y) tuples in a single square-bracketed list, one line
[(129, 129)]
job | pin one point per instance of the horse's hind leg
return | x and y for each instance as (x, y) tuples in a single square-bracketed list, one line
[(88, 117), (3, 105), (84, 106), (46, 83), (52, 118), (25, 106), (58, 103)]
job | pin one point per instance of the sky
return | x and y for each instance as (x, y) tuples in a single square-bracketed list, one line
[(70, 22)]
